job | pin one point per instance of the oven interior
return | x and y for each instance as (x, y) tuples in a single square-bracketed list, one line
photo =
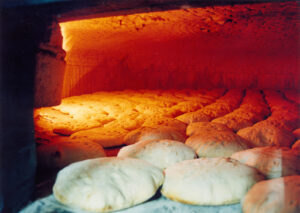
[(139, 65)]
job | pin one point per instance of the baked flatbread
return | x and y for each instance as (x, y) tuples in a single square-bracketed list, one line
[(161, 153), (60, 154), (153, 133), (209, 181), (273, 162), (107, 184), (203, 127), (105, 136), (263, 134), (217, 143), (280, 195)]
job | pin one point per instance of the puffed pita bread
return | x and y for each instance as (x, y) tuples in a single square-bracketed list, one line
[(153, 133), (105, 136), (234, 123), (202, 127), (280, 195), (252, 110), (161, 153), (209, 181), (217, 143), (60, 154), (262, 134), (153, 121), (107, 184), (191, 117), (273, 162)]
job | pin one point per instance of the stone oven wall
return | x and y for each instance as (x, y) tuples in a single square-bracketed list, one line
[(244, 46)]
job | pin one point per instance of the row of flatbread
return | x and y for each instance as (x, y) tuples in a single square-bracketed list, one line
[(111, 118), (109, 184)]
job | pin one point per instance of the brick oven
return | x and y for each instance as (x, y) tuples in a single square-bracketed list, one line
[(147, 59)]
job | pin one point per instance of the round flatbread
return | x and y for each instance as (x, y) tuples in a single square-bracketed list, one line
[(191, 117), (280, 195), (153, 133), (216, 143), (60, 154), (264, 134), (105, 136), (273, 162), (161, 153), (209, 181), (107, 184), (202, 127)]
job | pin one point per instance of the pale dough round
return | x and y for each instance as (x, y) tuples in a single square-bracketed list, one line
[(153, 133), (217, 143), (280, 195), (161, 153), (60, 154), (209, 181), (273, 162), (107, 184)]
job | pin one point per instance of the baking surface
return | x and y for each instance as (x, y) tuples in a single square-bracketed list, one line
[(159, 205), (107, 117), (267, 115)]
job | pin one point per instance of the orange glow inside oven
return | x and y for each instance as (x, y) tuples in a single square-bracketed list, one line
[(222, 46)]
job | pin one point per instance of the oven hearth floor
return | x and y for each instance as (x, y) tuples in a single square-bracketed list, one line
[(158, 205), (107, 118)]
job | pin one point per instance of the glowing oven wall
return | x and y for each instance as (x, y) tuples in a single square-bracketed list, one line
[(246, 46)]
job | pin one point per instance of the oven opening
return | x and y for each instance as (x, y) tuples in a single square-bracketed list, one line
[(216, 82)]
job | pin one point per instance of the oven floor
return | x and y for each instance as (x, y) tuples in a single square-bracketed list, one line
[(237, 109), (159, 204)]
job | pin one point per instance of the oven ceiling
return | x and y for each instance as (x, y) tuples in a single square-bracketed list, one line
[(66, 10)]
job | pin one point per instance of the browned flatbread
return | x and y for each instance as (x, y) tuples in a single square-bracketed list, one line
[(263, 134), (273, 162)]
